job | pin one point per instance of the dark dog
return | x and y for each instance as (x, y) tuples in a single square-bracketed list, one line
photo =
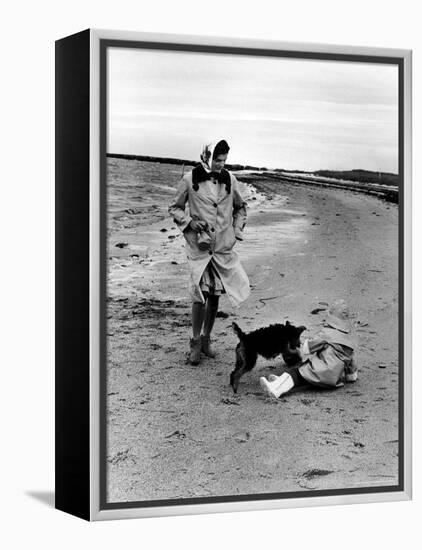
[(268, 342)]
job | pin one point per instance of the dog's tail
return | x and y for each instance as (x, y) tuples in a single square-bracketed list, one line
[(238, 331)]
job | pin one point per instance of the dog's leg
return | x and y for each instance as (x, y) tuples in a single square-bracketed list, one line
[(245, 361), (234, 375)]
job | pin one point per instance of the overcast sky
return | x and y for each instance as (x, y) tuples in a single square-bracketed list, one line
[(279, 113)]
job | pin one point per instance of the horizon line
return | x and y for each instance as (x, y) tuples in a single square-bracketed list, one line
[(238, 166)]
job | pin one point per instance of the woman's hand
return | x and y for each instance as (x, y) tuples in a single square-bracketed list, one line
[(197, 225)]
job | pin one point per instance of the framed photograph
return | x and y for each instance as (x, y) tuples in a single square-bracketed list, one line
[(233, 274)]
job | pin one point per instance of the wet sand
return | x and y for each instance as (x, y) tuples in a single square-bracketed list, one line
[(177, 431)]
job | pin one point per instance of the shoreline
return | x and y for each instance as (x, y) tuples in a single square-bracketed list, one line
[(384, 185)]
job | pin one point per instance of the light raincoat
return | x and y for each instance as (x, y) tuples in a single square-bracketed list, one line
[(225, 214), (331, 361)]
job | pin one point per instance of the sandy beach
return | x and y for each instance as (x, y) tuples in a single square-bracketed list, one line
[(177, 431)]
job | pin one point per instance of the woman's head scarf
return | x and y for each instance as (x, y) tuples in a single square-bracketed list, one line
[(203, 171), (210, 152)]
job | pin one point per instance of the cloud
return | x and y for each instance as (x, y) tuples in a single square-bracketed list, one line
[(296, 111)]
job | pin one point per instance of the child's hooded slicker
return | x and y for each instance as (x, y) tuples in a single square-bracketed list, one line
[(223, 209), (331, 360)]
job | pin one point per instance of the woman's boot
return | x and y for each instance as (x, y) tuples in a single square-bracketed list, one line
[(195, 351), (206, 346)]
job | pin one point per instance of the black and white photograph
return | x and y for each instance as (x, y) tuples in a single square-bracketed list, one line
[(210, 275), (252, 276)]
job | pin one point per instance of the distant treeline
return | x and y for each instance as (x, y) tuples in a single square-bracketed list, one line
[(361, 176), (169, 160), (162, 160)]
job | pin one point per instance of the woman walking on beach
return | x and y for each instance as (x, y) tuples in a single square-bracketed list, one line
[(216, 218)]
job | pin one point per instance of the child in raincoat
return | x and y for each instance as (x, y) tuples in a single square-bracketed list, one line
[(215, 220), (328, 358)]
